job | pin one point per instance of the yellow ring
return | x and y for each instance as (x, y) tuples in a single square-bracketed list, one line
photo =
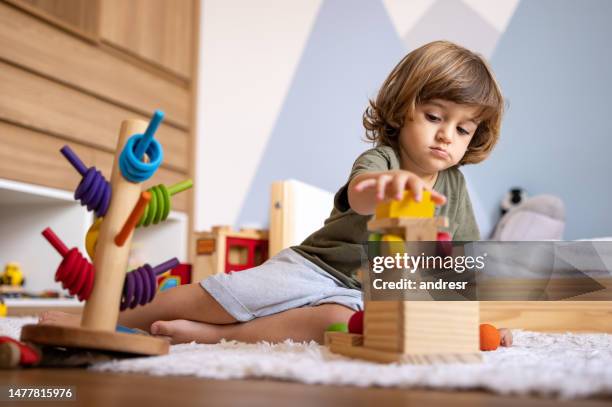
[(92, 237)]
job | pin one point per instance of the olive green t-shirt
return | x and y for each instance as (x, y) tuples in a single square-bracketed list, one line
[(338, 246)]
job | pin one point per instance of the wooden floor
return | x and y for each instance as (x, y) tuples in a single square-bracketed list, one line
[(134, 390)]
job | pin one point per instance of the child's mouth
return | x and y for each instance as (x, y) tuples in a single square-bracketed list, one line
[(438, 152)]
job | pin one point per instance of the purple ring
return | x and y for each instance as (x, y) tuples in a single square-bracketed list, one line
[(146, 286)]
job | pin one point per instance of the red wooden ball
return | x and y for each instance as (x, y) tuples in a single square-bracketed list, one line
[(444, 245), (355, 324)]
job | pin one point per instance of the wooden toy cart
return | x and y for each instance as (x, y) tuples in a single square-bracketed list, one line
[(223, 250)]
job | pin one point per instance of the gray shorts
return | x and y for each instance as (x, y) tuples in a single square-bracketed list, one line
[(286, 281)]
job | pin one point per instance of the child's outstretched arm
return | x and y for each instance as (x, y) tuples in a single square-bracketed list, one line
[(366, 190)]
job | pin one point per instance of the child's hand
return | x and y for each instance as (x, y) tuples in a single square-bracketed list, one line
[(505, 337), (391, 185)]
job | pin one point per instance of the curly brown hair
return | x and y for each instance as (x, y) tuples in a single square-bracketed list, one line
[(438, 70)]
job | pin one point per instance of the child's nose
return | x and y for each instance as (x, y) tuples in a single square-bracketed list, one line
[(444, 135)]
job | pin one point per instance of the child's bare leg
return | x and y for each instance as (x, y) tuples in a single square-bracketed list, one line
[(299, 324), (189, 301)]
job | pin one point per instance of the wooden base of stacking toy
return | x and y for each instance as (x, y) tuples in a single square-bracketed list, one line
[(82, 338)]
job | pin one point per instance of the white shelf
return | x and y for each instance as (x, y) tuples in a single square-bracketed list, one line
[(26, 210), (42, 302)]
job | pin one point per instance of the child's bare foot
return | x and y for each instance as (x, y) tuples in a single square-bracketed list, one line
[(59, 318), (185, 331), (505, 337)]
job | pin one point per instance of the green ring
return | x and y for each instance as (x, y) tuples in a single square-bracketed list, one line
[(167, 202), (159, 212), (152, 207)]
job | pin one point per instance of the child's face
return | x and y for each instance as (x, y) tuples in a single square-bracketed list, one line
[(437, 136)]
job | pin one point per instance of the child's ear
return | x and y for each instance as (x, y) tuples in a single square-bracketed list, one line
[(392, 132)]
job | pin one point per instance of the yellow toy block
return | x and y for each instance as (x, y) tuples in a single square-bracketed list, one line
[(395, 244), (407, 207)]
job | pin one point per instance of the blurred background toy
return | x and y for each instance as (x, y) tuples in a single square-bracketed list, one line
[(223, 250), (541, 217), (12, 281), (3, 308), (12, 275), (179, 275), (512, 199)]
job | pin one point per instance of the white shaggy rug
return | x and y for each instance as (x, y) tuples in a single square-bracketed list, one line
[(558, 365)]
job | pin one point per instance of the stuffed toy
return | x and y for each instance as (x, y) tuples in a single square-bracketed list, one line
[(541, 217), (513, 198)]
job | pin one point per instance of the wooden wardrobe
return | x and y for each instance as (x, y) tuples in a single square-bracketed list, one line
[(72, 70)]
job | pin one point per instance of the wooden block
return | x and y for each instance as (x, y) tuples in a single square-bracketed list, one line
[(392, 314), (407, 207), (422, 327), (381, 356), (382, 337), (382, 306), (381, 330), (440, 327), (382, 225), (382, 317), (366, 353), (343, 338), (389, 344), (375, 322), (425, 233), (382, 320)]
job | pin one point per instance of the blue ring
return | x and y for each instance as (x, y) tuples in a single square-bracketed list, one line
[(135, 170)]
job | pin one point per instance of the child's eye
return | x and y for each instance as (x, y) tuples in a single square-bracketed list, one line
[(431, 117), (463, 131)]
